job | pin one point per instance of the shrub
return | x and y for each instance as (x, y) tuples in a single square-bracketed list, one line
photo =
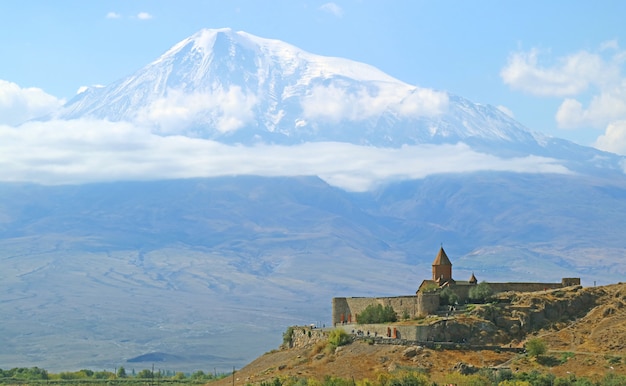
[(612, 379), (535, 378), (563, 382), (614, 360), (338, 337), (514, 383), (336, 381), (495, 377), (548, 360), (377, 314), (535, 347), (273, 382), (583, 382), (288, 336), (566, 356), (481, 292), (466, 380), (410, 379)]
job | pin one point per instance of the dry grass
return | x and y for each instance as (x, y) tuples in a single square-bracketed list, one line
[(590, 346)]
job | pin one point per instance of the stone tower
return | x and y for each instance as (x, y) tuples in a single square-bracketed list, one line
[(442, 268)]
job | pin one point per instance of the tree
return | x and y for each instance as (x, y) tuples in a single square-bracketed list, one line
[(377, 314), (103, 375), (288, 336), (121, 372), (536, 347), (144, 374), (447, 296), (480, 292), (200, 375), (179, 376)]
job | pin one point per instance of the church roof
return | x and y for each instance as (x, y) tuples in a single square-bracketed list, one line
[(473, 279), (442, 258)]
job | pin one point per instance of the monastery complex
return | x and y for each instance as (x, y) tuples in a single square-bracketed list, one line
[(426, 300)]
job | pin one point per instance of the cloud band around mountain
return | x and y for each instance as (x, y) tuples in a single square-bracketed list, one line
[(18, 104), (83, 151)]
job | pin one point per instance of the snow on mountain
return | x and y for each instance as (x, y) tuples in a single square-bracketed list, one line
[(236, 87)]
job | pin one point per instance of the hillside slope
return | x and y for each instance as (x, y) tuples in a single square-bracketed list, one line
[(588, 346), (220, 258)]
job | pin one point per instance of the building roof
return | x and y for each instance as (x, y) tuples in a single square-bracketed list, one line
[(473, 279), (442, 258), (427, 283)]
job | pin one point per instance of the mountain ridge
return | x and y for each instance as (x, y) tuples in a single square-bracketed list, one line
[(276, 81), (239, 89)]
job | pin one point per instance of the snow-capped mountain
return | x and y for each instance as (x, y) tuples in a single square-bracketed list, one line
[(236, 87), (223, 262)]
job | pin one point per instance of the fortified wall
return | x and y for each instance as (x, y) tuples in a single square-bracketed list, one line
[(532, 287), (306, 336), (462, 291), (345, 310)]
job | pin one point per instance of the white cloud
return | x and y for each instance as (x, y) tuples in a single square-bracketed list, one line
[(226, 110), (113, 15), (571, 75), (144, 16), (332, 8), (79, 151), (21, 104), (609, 45), (335, 103), (592, 83), (614, 138), (607, 106)]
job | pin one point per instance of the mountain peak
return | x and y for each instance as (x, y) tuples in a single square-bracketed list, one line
[(203, 41), (218, 82), (234, 87)]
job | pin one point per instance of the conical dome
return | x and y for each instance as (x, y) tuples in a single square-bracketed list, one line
[(442, 258), (442, 267)]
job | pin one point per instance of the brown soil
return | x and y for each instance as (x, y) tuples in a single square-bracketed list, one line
[(588, 346)]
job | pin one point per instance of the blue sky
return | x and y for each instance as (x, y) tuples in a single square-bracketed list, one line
[(557, 66)]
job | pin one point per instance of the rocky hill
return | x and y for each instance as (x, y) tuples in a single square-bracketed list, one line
[(584, 329)]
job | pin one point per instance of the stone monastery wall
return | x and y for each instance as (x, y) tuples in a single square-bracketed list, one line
[(345, 310), (533, 287)]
